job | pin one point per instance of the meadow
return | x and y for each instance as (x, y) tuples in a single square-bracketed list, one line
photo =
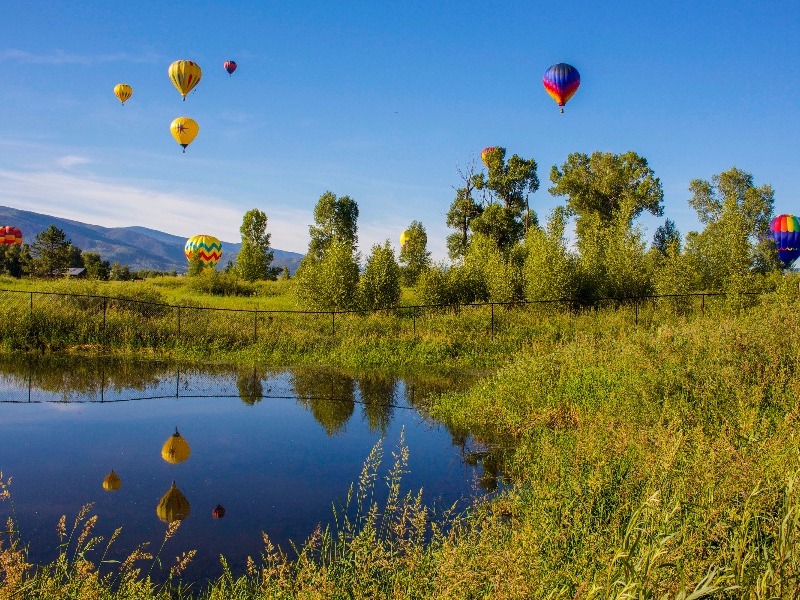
[(651, 454)]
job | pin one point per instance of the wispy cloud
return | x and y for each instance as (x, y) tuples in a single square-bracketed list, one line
[(67, 162), (59, 57)]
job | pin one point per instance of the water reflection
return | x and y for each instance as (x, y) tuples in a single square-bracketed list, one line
[(284, 446)]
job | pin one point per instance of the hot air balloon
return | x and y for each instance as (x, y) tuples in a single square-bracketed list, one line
[(184, 75), (785, 230), (230, 66), (173, 506), (112, 482), (404, 237), (486, 153), (123, 91), (184, 130), (10, 235), (207, 247), (175, 449), (561, 81), (218, 512)]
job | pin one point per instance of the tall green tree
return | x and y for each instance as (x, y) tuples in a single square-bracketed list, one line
[(329, 283), (380, 282), (414, 255), (51, 253), (461, 213), (254, 261), (666, 236), (334, 219), (736, 214), (509, 182), (602, 183), (15, 259)]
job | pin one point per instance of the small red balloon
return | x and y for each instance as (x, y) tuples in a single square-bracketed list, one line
[(230, 66), (218, 512)]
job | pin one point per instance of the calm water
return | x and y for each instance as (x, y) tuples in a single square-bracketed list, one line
[(275, 448)]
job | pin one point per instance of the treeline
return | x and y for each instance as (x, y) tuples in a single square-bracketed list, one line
[(500, 252), (52, 254)]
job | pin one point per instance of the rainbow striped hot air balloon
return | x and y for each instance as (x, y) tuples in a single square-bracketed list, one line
[(785, 230), (561, 81), (207, 247), (10, 235)]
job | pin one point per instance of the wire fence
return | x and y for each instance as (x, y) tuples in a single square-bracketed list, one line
[(36, 319)]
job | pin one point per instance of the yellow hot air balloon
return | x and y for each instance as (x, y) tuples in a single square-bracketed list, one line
[(123, 91), (184, 130), (404, 237), (184, 75), (112, 482), (173, 506), (175, 450)]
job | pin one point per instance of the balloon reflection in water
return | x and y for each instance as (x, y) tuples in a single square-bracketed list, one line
[(173, 506), (218, 512), (175, 449), (112, 482)]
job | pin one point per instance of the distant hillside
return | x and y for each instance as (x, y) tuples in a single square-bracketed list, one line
[(138, 247)]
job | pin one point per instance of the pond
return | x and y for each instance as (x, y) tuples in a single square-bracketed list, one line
[(259, 450)]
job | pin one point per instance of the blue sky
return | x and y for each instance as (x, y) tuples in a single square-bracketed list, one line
[(383, 102)]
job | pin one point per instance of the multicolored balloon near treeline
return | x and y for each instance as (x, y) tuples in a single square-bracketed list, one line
[(207, 247), (230, 66), (10, 236), (785, 230), (561, 81), (185, 75), (486, 153), (123, 91)]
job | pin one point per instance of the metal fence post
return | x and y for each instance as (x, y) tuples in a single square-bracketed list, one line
[(333, 322), (105, 303), (703, 304), (492, 318), (179, 321), (414, 317)]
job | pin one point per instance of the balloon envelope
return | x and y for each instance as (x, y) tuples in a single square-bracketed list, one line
[(404, 237), (176, 449), (10, 235), (112, 482), (184, 130), (486, 153), (184, 75), (785, 230), (561, 81), (173, 506), (207, 247), (123, 91), (230, 66)]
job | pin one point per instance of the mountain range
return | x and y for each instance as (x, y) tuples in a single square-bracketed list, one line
[(138, 247)]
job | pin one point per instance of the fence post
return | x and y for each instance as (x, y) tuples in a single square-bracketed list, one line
[(414, 317), (31, 311), (492, 305), (105, 303), (255, 326), (703, 304), (333, 322), (179, 322)]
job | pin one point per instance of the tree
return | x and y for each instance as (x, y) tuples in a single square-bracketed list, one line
[(120, 272), (551, 271), (462, 211), (329, 283), (511, 183), (601, 184), (96, 267), (733, 244), (414, 255), (51, 253), (255, 256), (196, 265), (336, 219), (380, 282), (666, 235), (14, 259)]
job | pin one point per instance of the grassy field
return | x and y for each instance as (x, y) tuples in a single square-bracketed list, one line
[(652, 455)]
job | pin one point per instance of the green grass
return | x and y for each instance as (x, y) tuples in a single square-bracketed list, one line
[(652, 456)]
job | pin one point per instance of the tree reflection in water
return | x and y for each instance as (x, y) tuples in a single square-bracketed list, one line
[(328, 395)]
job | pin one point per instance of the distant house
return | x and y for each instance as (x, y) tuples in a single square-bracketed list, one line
[(76, 272)]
